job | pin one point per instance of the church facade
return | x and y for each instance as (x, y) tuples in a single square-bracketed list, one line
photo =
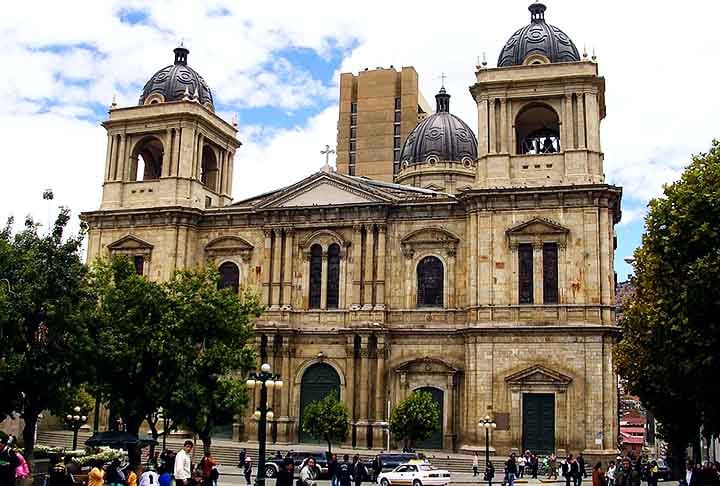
[(482, 274)]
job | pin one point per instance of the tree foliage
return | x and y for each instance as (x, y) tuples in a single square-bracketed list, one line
[(327, 420), (215, 325), (415, 418), (671, 321), (43, 344)]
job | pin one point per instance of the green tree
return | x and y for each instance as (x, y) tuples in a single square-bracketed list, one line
[(215, 326), (135, 358), (415, 418), (671, 321), (327, 420), (43, 345)]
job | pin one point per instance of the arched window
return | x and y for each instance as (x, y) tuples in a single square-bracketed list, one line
[(430, 276), (315, 276), (147, 160), (333, 277), (209, 168), (229, 276), (537, 130)]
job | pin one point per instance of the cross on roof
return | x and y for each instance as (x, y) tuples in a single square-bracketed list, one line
[(327, 153), (443, 77)]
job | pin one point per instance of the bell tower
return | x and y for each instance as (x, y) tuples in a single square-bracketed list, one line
[(171, 149), (539, 111)]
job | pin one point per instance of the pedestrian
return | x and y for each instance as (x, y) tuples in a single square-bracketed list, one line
[(566, 469), (511, 469), (131, 477), (691, 477), (610, 474), (552, 467), (534, 465), (149, 477), (247, 470), (241, 458), (332, 470), (522, 462), (359, 470), (627, 476), (182, 471), (598, 476), (286, 474), (207, 463), (96, 476), (115, 475), (308, 474), (476, 464), (581, 467), (652, 477), (345, 471), (489, 473), (22, 470), (165, 478), (377, 467), (575, 472), (8, 462)]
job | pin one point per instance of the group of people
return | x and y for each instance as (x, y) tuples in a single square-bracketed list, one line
[(341, 473)]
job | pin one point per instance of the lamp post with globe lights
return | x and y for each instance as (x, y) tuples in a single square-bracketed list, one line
[(487, 423), (75, 421), (263, 380)]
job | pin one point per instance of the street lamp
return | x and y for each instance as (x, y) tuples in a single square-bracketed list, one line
[(264, 380), (75, 421), (163, 415), (487, 423)]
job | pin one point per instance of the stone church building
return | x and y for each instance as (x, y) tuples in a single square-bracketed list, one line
[(476, 267)]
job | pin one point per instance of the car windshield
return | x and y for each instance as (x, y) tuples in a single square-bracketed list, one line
[(426, 468)]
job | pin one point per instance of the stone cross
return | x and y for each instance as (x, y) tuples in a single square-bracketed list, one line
[(326, 153), (443, 77)]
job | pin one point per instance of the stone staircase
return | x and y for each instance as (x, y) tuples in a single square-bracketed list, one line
[(226, 452)]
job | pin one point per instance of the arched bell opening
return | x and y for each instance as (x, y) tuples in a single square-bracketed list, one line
[(147, 159), (209, 168), (537, 129)]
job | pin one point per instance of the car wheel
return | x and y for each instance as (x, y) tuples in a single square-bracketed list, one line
[(384, 482), (417, 482), (269, 472)]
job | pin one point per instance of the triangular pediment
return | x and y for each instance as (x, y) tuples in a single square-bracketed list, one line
[(538, 375), (229, 243), (324, 190), (537, 226), (130, 242), (426, 365)]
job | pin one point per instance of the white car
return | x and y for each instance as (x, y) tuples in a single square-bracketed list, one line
[(415, 475)]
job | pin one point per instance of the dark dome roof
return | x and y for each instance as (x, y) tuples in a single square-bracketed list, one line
[(538, 37), (440, 136), (172, 82)]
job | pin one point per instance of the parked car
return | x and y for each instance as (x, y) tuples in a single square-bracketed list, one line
[(422, 474), (391, 461), (273, 464)]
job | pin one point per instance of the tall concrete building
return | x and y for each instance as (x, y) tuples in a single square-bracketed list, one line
[(477, 269), (378, 109)]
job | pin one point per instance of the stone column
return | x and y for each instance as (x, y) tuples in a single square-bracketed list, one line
[(537, 272), (567, 137), (167, 154), (369, 263), (123, 166), (289, 267), (472, 270), (592, 112), (231, 169), (380, 379), (503, 129), (581, 120), (108, 159), (350, 383), (198, 156), (323, 279), (450, 303), (267, 257), (276, 259), (483, 127), (356, 266), (493, 127), (363, 391), (380, 283)]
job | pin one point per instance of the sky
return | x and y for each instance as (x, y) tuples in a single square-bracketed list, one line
[(275, 65)]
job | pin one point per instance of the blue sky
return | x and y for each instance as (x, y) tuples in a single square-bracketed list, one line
[(275, 65)]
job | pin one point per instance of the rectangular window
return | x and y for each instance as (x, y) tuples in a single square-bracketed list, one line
[(353, 132), (396, 155), (550, 273), (525, 274), (139, 262), (397, 117), (351, 170), (353, 145), (353, 107), (352, 157), (397, 103), (396, 142), (396, 130), (353, 120)]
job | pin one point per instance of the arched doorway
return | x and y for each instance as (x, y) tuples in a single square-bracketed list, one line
[(436, 440), (318, 381)]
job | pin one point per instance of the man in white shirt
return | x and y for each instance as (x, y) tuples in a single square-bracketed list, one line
[(149, 477), (182, 469)]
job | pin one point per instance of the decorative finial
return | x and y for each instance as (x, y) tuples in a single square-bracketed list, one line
[(585, 54), (477, 64), (442, 81), (186, 94), (484, 61), (594, 57), (326, 153), (113, 104), (235, 120), (196, 95)]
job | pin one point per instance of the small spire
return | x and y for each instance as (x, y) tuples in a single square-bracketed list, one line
[(537, 12), (196, 95), (484, 61), (594, 57), (113, 104), (442, 81), (186, 94), (477, 64), (235, 120), (585, 54), (181, 54)]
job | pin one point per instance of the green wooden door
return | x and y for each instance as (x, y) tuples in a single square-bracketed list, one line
[(318, 382), (436, 440), (539, 422)]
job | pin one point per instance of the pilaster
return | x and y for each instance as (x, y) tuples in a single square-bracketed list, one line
[(380, 283)]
